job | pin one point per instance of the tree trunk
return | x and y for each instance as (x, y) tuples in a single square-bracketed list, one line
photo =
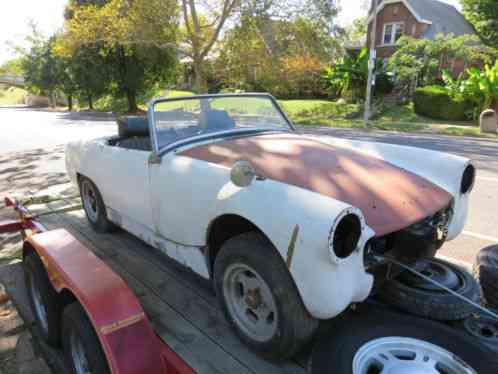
[(70, 103), (90, 102), (200, 81), (132, 100)]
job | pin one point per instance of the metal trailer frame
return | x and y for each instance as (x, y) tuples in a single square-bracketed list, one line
[(128, 340)]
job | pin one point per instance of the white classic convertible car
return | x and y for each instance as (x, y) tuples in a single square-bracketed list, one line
[(284, 224)]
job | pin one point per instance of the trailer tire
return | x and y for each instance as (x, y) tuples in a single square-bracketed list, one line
[(420, 298), (82, 348), (375, 339), (44, 300), (273, 299), (94, 206), (486, 272)]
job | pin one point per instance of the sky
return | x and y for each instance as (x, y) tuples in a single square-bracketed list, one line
[(48, 16)]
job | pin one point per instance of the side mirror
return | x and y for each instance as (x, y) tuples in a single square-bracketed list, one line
[(242, 173)]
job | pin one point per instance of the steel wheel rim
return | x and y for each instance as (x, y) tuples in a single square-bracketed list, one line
[(436, 271), (482, 327), (401, 355), (40, 311), (89, 201), (250, 302), (78, 355)]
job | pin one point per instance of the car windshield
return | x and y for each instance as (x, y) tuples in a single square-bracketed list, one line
[(180, 119)]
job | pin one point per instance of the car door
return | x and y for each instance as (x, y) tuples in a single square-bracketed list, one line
[(122, 176)]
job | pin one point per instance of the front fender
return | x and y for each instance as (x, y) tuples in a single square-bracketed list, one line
[(298, 223)]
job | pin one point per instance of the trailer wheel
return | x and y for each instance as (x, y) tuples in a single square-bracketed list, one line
[(82, 349), (259, 298), (386, 342), (44, 300), (421, 298), (94, 206), (486, 272)]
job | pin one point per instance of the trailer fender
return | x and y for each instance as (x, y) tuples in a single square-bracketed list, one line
[(126, 335)]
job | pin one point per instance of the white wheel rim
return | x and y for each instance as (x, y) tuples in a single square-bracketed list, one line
[(40, 311), (78, 355), (250, 302), (400, 355), (89, 201)]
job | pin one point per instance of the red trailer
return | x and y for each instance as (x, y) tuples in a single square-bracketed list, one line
[(82, 281)]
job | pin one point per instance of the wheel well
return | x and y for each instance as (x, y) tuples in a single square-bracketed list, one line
[(223, 228)]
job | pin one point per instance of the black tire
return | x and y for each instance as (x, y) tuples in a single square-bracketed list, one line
[(420, 298), (337, 352), (294, 325), (96, 212), (486, 272), (77, 331), (43, 299)]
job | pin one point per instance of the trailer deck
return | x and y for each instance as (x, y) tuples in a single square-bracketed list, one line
[(181, 306)]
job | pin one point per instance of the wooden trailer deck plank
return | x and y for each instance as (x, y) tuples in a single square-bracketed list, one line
[(182, 307)]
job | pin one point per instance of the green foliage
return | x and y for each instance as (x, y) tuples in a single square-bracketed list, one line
[(348, 77), (12, 96), (483, 14), (130, 46), (285, 58), (424, 60), (12, 67), (436, 102)]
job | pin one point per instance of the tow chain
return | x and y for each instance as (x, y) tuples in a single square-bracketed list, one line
[(439, 285)]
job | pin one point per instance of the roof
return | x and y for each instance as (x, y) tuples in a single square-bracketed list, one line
[(442, 18)]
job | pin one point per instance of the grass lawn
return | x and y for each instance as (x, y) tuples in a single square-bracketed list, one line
[(401, 118), (12, 96)]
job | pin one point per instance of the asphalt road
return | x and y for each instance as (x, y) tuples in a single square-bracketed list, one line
[(27, 129)]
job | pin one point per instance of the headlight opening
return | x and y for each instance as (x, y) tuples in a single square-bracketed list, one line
[(345, 236)]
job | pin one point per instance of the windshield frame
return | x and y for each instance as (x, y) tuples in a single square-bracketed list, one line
[(221, 134)]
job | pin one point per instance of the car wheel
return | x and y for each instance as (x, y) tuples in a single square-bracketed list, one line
[(419, 297), (486, 272), (82, 349), (94, 207), (259, 297), (44, 300), (384, 342), (483, 327)]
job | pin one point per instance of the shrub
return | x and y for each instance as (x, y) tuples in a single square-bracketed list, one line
[(436, 102)]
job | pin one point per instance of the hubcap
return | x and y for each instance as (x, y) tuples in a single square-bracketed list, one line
[(40, 311), (436, 271), (78, 355), (89, 201), (250, 302), (400, 355)]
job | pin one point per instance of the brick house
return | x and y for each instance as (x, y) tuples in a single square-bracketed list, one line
[(422, 19)]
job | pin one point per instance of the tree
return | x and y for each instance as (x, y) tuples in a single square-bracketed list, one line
[(285, 57), (483, 14), (202, 32), (136, 39), (41, 67), (12, 67)]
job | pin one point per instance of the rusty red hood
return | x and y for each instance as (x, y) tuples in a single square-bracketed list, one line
[(391, 198)]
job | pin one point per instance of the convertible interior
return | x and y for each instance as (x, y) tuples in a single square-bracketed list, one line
[(133, 131)]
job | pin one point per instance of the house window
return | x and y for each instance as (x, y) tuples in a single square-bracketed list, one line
[(392, 32)]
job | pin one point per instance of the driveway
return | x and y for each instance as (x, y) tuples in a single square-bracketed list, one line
[(39, 131)]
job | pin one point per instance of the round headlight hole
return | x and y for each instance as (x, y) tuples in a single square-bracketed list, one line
[(468, 179), (346, 236)]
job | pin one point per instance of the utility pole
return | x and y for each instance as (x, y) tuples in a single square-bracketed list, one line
[(371, 65)]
